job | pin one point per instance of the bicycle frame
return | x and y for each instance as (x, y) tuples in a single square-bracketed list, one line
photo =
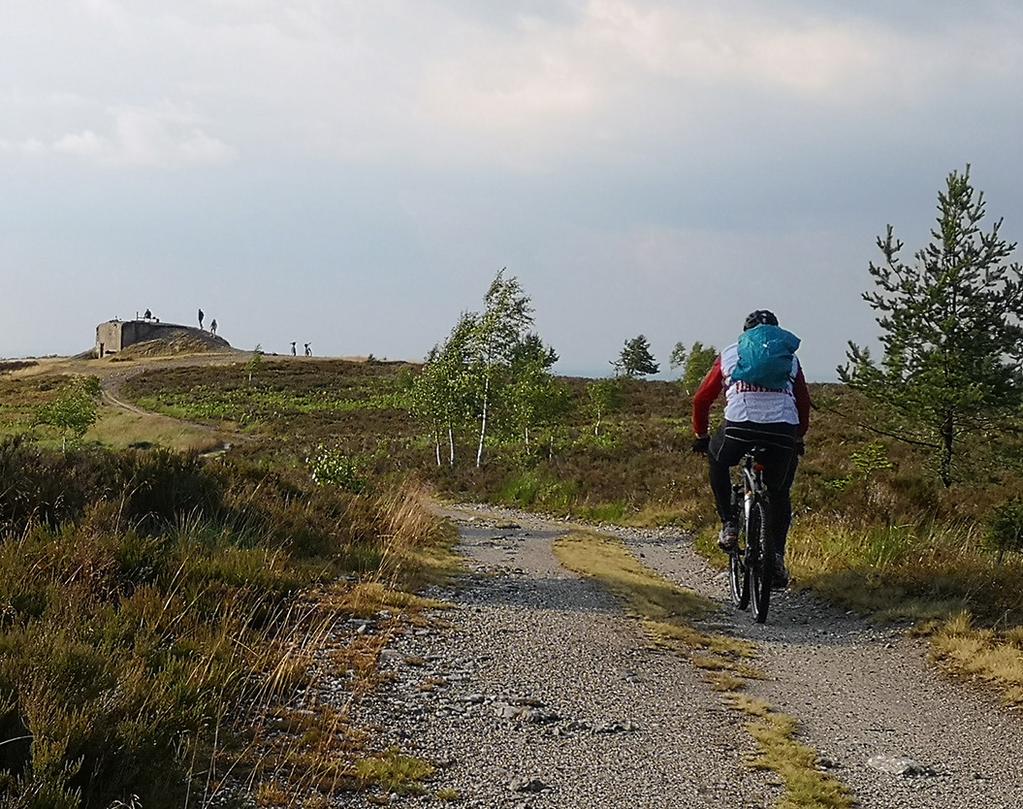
[(749, 577), (753, 483)]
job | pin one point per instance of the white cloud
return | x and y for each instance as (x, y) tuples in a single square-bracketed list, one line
[(28, 146), (83, 144), (162, 136), (642, 72), (436, 82)]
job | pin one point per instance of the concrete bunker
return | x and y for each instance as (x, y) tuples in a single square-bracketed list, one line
[(114, 336)]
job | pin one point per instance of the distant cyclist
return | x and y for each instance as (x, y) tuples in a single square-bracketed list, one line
[(767, 404)]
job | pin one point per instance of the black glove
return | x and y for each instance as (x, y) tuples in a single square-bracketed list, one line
[(701, 445), (800, 447)]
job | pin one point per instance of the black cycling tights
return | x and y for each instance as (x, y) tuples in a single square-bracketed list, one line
[(728, 447)]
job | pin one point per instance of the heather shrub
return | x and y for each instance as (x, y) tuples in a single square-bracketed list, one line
[(149, 609)]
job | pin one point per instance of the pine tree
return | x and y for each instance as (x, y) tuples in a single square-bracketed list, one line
[(950, 329), (636, 359)]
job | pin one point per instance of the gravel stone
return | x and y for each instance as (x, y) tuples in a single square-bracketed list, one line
[(897, 765)]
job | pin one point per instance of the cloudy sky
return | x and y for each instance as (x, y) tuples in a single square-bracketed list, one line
[(353, 173)]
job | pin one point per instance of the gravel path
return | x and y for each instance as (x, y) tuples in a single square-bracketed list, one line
[(543, 694), (536, 690), (861, 691)]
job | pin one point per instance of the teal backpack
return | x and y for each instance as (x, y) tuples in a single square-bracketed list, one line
[(765, 357)]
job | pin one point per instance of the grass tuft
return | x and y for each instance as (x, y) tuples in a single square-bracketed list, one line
[(806, 787), (394, 772)]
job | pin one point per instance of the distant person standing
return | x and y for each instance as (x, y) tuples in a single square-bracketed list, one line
[(294, 351), (201, 316), (149, 314), (308, 351), (213, 327)]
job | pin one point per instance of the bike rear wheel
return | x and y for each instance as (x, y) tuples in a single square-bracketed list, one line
[(738, 577), (738, 573), (759, 560)]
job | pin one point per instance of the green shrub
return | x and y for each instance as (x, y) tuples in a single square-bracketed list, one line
[(538, 488), (1005, 528), (330, 466), (150, 487), (73, 411)]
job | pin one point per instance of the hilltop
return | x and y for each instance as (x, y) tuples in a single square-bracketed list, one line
[(185, 341)]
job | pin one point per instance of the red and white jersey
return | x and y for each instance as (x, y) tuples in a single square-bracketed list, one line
[(746, 402)]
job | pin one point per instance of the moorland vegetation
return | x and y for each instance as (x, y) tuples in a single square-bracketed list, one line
[(907, 499), (151, 599), (165, 619)]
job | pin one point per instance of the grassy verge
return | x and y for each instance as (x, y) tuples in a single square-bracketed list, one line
[(159, 616), (670, 615), (118, 429), (936, 576)]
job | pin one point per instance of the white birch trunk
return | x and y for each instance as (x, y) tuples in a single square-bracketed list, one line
[(483, 422)]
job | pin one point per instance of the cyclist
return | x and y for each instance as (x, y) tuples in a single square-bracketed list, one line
[(775, 418)]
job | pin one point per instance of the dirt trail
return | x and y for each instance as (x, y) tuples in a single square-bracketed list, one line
[(114, 375), (543, 693)]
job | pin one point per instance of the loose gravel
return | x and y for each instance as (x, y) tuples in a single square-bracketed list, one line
[(535, 690), (863, 692), (541, 693)]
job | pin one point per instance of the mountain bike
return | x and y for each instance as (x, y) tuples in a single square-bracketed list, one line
[(751, 564)]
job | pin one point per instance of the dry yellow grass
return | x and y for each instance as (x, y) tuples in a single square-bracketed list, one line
[(120, 429), (994, 657), (321, 753), (668, 612), (938, 576), (806, 787), (647, 594)]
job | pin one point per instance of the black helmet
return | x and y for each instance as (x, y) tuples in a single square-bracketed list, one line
[(761, 317)]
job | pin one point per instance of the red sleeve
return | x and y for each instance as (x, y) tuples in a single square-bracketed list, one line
[(709, 390), (802, 393)]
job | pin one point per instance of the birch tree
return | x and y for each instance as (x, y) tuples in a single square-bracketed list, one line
[(604, 395), (507, 315), (442, 393), (426, 402), (455, 378), (532, 384), (698, 363)]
